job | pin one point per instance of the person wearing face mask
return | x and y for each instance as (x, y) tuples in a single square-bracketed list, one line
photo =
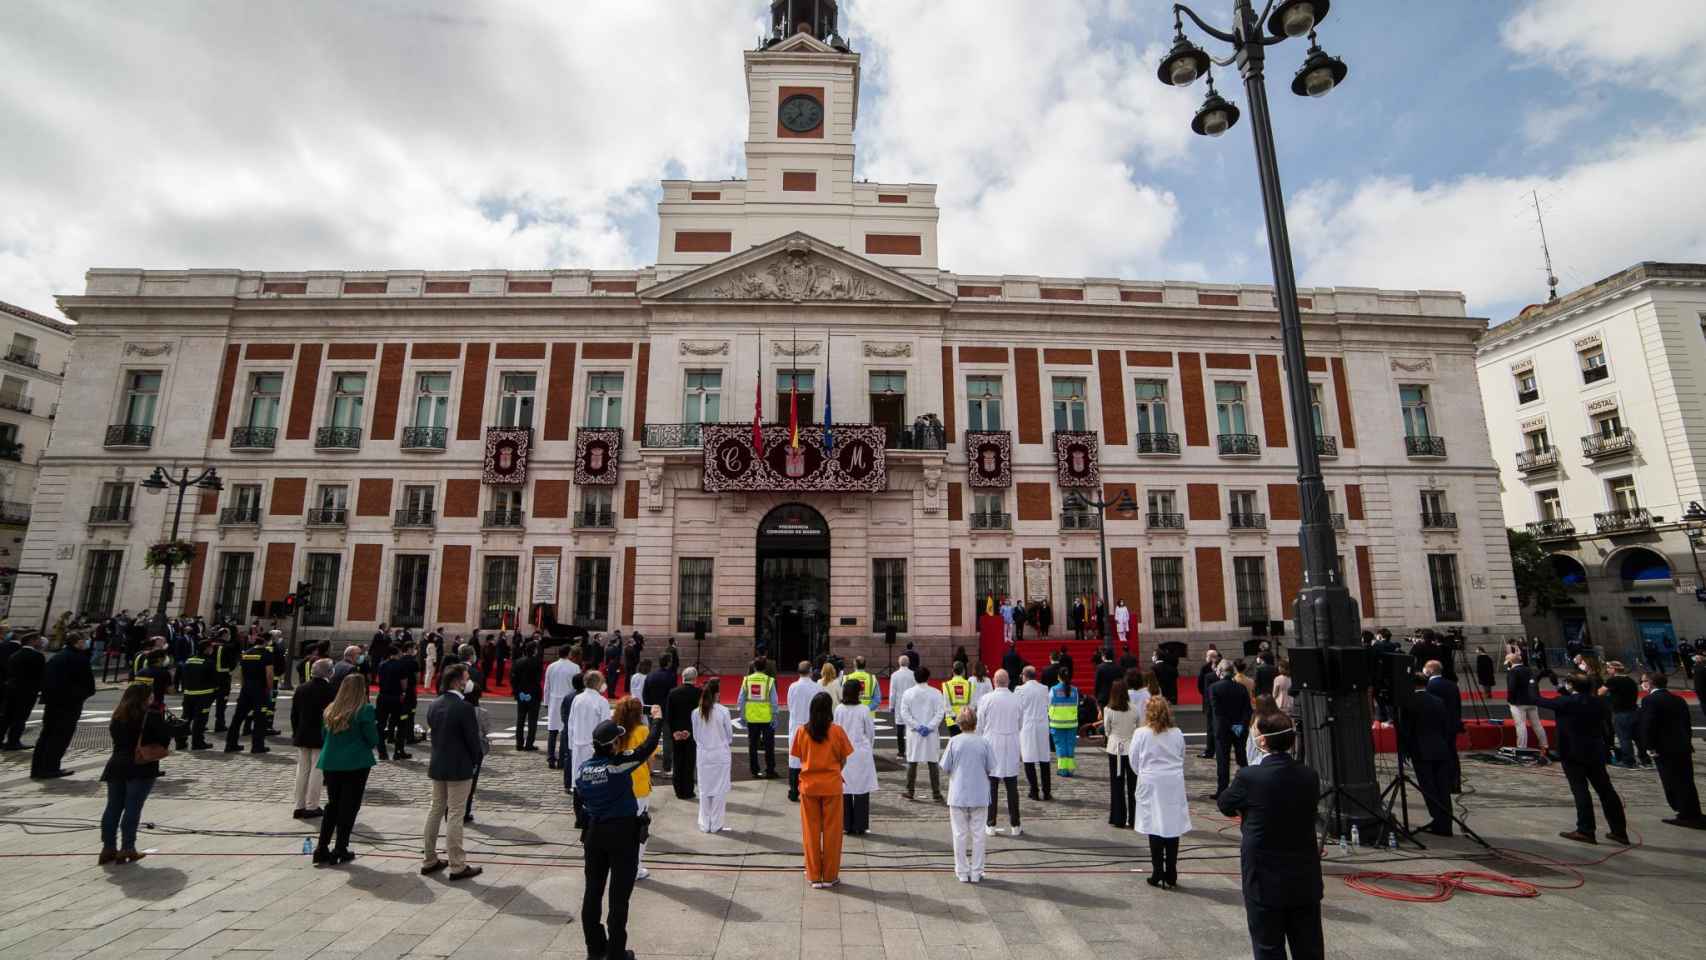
[(1582, 746), (1275, 799), (67, 681), (615, 832), (456, 751)]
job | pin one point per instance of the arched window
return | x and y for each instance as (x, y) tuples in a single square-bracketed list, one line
[(1570, 571), (1640, 565)]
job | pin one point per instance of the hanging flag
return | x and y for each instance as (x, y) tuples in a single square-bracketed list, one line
[(828, 413), (758, 408), (794, 412)]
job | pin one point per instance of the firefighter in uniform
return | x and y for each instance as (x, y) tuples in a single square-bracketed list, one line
[(958, 690), (199, 685), (254, 701), (757, 705), (224, 661), (870, 694), (156, 675)]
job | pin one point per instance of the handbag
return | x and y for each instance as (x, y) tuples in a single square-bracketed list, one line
[(148, 752)]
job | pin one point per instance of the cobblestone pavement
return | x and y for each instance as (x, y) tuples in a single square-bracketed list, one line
[(227, 878)]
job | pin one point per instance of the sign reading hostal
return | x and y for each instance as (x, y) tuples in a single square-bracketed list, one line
[(856, 463)]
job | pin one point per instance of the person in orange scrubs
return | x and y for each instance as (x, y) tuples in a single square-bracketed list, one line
[(822, 749)]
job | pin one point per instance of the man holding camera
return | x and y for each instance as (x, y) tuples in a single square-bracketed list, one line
[(1582, 747)]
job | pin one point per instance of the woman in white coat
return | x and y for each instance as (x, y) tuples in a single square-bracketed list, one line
[(713, 737), (1158, 758), (859, 776)]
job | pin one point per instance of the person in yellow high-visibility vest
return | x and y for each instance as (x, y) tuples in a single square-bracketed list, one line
[(757, 706), (958, 690), (870, 693), (1063, 723)]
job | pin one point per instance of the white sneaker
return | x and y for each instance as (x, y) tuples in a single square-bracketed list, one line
[(977, 878), (963, 878), (642, 874), (1016, 832), (991, 832)]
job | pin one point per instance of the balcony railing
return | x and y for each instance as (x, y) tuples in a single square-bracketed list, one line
[(1240, 445), (672, 436), (595, 518), (1534, 461), (1595, 374), (1158, 444), (109, 514), (1554, 529), (992, 521), (1166, 521), (12, 451), (240, 516), (337, 438), (12, 511), (129, 435), (1603, 446), (1439, 521), (1080, 519), (328, 516), (503, 519), (1326, 446), (254, 438), (1620, 521), (1337, 520), (1527, 396), (20, 404), (922, 435), (1247, 521), (27, 358), (1173, 615), (1424, 446), (414, 519), (425, 438)]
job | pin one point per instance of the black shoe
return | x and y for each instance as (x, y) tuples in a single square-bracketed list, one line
[(401, 755), (233, 749), (466, 873), (54, 775), (1619, 838), (467, 818), (1035, 796), (322, 857), (274, 733), (219, 728), (17, 746), (300, 813), (343, 856), (1153, 880), (260, 750), (204, 745)]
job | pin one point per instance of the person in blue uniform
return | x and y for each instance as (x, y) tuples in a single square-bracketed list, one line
[(614, 832)]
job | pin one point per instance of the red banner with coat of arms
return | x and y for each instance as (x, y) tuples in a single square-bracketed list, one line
[(597, 452), (506, 457), (1075, 458), (989, 458), (854, 459)]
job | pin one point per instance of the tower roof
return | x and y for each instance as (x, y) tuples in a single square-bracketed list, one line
[(815, 18)]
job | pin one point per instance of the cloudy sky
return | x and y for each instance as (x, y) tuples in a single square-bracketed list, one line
[(455, 135)]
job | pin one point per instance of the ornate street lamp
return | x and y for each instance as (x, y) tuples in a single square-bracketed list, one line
[(158, 482), (1124, 504)]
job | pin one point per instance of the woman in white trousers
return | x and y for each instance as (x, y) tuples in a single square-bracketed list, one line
[(713, 736)]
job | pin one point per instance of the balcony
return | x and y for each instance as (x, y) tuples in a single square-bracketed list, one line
[(991, 521), (1166, 521), (110, 515), (328, 517), (1080, 520), (414, 520), (1239, 445), (425, 439), (503, 520), (1606, 446), (1157, 444), (337, 438), (24, 358), (672, 436), (1623, 521), (1558, 528), (1326, 446), (12, 451), (245, 516), (595, 518), (1247, 521), (1595, 374), (19, 403), (922, 435), (254, 438), (1536, 461), (129, 436), (1439, 521), (1527, 396), (11, 511), (1431, 448), (1337, 520)]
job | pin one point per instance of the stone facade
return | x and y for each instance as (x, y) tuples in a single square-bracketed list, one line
[(32, 368)]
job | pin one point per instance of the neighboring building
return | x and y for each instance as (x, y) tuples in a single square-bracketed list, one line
[(369, 427), (1598, 421), (33, 351)]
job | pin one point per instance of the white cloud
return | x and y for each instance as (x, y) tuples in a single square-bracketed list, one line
[(1628, 202), (1544, 126), (1656, 43)]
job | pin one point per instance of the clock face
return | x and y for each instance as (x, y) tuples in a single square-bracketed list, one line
[(801, 113)]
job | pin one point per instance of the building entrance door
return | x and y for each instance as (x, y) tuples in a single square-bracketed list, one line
[(793, 585)]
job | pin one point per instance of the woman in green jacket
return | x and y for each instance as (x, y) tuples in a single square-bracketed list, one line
[(352, 734)]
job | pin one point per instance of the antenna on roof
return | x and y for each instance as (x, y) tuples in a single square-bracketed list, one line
[(1551, 278)]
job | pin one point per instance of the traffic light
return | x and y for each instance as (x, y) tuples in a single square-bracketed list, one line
[(289, 603), (304, 595)]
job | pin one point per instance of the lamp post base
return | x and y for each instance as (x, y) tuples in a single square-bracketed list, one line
[(1336, 736)]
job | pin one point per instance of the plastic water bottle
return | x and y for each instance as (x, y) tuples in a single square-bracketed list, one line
[(1391, 839), (307, 845), (1356, 837), (1344, 843)]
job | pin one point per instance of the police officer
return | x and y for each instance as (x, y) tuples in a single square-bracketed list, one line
[(614, 831), (254, 701), (757, 704), (224, 661), (870, 694), (958, 690), (199, 687)]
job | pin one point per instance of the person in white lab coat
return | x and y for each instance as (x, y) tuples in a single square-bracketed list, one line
[(1122, 624), (588, 711), (800, 694), (900, 681), (859, 775), (1158, 758), (1034, 741), (971, 771), (921, 712), (1001, 717), (713, 739), (559, 683)]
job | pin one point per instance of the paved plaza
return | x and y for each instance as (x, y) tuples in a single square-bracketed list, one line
[(227, 877)]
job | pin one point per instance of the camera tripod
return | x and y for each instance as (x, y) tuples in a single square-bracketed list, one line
[(1341, 796), (1397, 792)]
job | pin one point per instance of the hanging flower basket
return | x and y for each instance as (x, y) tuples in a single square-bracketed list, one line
[(174, 552)]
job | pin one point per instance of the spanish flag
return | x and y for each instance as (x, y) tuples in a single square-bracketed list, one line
[(794, 413)]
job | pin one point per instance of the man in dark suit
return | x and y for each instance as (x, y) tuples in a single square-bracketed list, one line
[(1266, 672), (456, 751), (66, 682), (1107, 671), (1231, 702), (1582, 747), (24, 670), (1446, 690), (1425, 729), (1167, 677), (656, 694), (1278, 853), (527, 685), (678, 717), (1663, 727), (1011, 662), (1206, 677)]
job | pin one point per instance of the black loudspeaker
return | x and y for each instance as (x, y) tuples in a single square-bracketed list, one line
[(1353, 667), (699, 630), (1259, 628), (1252, 647), (1276, 628), (888, 634), (1392, 672), (1309, 669)]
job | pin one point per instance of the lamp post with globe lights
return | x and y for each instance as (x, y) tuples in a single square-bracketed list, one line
[(158, 482), (1335, 729)]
